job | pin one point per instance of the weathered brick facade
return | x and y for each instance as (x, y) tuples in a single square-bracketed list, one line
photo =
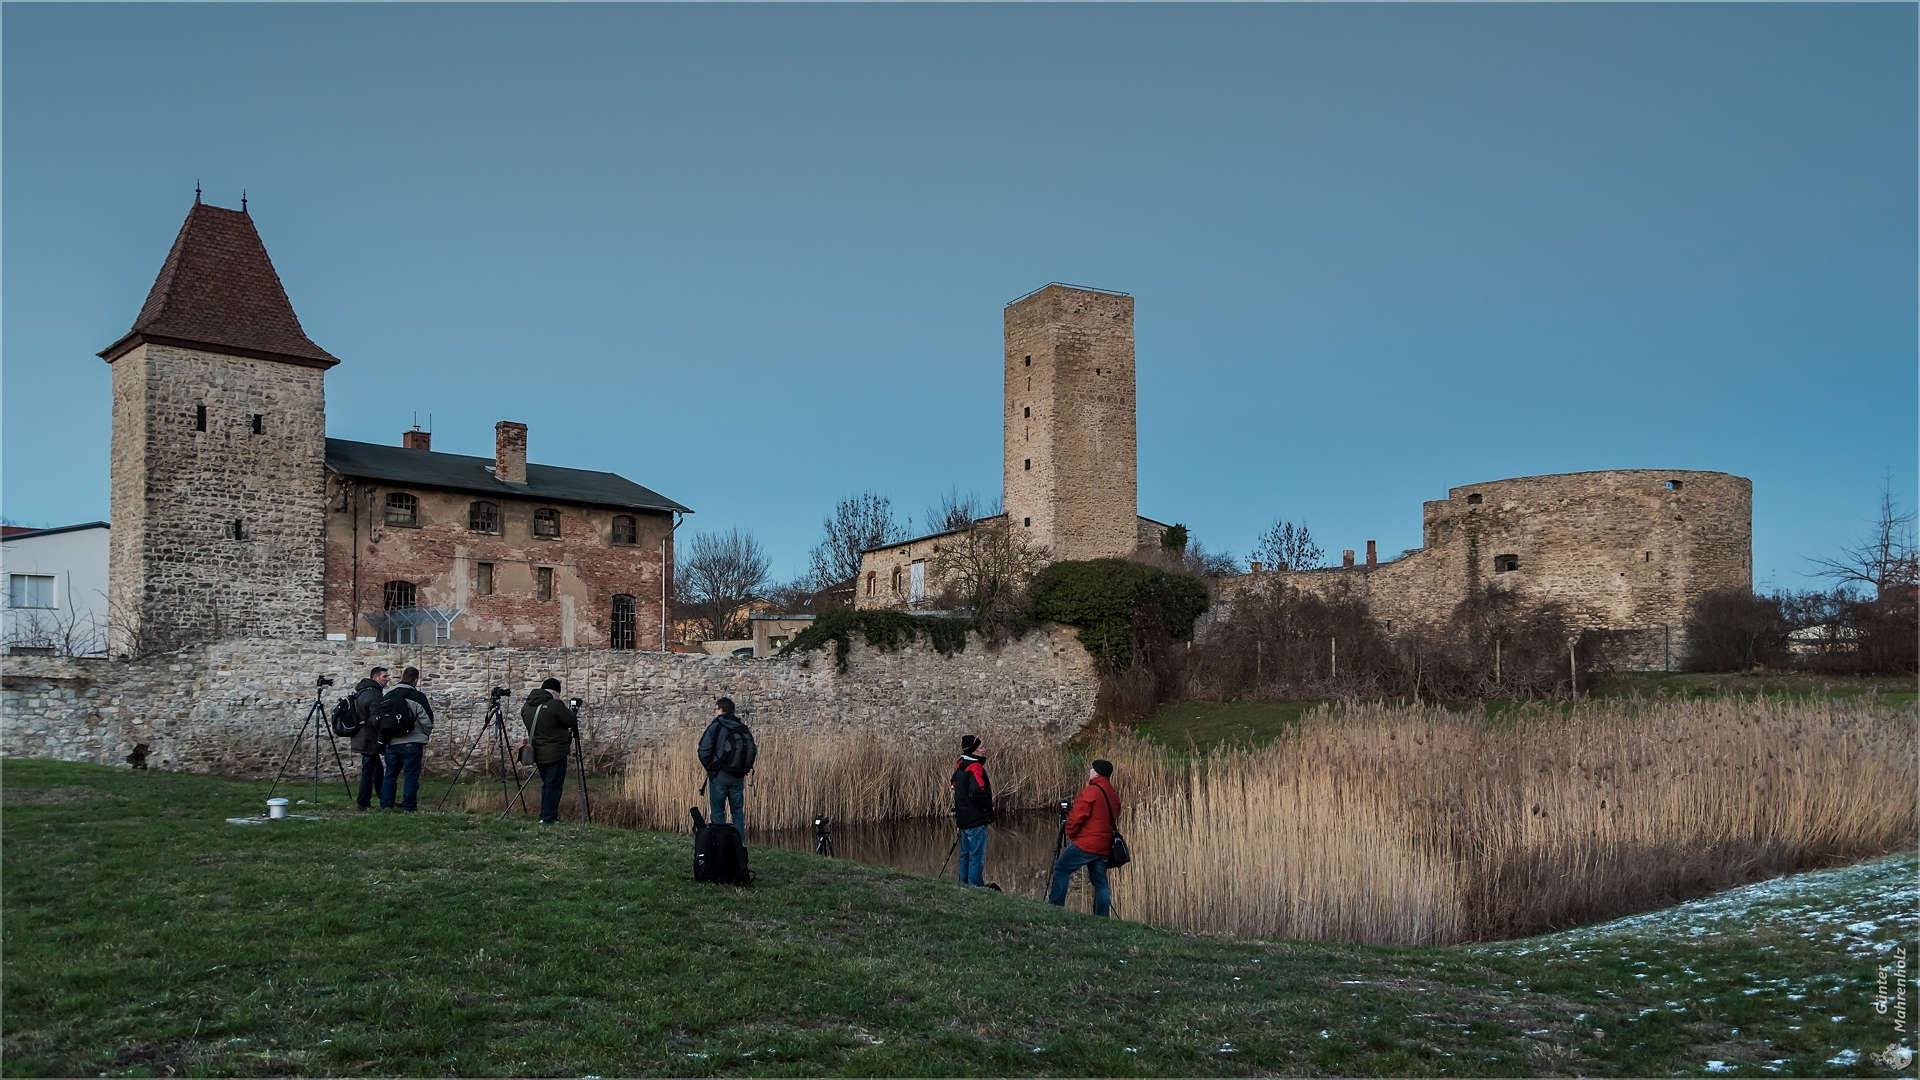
[(442, 558), (1624, 550)]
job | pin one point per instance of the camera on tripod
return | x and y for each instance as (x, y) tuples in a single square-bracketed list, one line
[(500, 692), (323, 681), (823, 836), (574, 703), (1065, 805)]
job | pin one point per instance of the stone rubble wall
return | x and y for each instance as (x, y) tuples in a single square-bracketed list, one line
[(234, 707)]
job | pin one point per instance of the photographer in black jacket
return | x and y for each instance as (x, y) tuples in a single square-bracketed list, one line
[(366, 739), (550, 728), (972, 810)]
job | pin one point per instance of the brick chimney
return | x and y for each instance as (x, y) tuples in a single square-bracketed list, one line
[(1346, 557), (1373, 554), (510, 452), (417, 439)]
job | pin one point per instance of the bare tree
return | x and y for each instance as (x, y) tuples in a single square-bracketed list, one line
[(955, 511), (718, 577), (987, 570), (1286, 546), (856, 524), (1886, 559)]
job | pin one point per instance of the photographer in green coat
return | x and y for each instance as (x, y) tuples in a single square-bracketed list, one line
[(550, 728)]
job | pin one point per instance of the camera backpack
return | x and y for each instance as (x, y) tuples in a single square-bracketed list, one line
[(393, 716), (736, 751), (345, 720), (719, 854)]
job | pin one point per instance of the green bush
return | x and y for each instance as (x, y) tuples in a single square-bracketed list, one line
[(1119, 607), (884, 629)]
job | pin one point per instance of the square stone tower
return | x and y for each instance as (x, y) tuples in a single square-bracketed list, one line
[(1071, 450), (219, 451)]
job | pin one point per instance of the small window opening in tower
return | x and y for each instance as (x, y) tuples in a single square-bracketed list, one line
[(1096, 371), (1027, 413), (1648, 558), (1474, 500), (1673, 485), (1029, 463), (1027, 522), (199, 418), (1505, 563), (259, 424), (239, 529), (1029, 361)]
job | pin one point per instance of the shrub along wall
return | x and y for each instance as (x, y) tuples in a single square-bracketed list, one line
[(232, 707)]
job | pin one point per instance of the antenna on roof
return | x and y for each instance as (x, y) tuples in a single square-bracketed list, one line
[(196, 193), (243, 200)]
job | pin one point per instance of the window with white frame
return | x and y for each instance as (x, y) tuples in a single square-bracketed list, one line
[(30, 590)]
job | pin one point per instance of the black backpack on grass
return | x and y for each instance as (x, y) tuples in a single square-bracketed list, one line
[(346, 719), (719, 853)]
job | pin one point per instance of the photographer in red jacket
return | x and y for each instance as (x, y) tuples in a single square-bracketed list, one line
[(1090, 827)]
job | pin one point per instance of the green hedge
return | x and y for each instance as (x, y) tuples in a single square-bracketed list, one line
[(1118, 605), (884, 629)]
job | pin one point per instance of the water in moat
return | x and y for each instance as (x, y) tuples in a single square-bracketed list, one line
[(1020, 846)]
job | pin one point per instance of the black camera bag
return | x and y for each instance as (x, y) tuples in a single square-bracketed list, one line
[(346, 719), (719, 853), (393, 716)]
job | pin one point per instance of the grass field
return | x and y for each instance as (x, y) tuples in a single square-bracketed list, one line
[(144, 935)]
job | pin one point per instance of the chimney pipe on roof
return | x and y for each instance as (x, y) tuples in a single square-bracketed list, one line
[(1346, 557), (510, 452), (417, 439), (1373, 554)]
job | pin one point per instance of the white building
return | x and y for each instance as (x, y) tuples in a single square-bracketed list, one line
[(56, 598)]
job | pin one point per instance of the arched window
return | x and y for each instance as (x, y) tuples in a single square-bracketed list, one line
[(896, 581), (623, 628), (403, 510), (483, 517), (399, 594), (625, 530), (871, 575), (546, 522)]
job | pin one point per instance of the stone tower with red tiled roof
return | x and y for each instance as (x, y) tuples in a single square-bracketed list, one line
[(219, 450)]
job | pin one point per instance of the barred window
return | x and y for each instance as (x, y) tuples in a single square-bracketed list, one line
[(483, 517), (398, 594), (403, 510), (623, 622), (625, 530), (546, 522)]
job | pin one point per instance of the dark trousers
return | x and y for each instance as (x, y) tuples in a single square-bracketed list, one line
[(402, 760), (1071, 859), (726, 791), (373, 771), (553, 780)]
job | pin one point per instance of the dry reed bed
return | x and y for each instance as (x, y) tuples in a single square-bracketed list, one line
[(1399, 824)]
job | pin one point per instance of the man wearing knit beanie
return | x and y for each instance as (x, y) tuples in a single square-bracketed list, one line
[(1090, 829), (972, 810)]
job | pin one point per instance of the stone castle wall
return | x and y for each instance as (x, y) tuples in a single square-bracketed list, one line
[(174, 564), (1071, 447), (233, 707), (441, 557), (1626, 550)]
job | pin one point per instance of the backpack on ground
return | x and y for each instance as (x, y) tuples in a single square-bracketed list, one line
[(735, 751), (719, 854), (346, 719), (393, 717)]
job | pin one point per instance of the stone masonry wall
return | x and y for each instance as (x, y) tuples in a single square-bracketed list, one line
[(1070, 444), (233, 707), (174, 563), (1626, 550), (441, 557)]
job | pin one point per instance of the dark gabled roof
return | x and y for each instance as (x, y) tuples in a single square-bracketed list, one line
[(23, 534), (218, 291), (459, 472)]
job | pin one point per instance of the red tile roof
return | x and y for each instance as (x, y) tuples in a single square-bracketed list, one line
[(218, 291)]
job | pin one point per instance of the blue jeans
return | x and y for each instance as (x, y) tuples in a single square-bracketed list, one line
[(973, 856), (725, 791), (1073, 859), (553, 780), (404, 758), (373, 772)]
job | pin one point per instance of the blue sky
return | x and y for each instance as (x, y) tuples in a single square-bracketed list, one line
[(755, 257)]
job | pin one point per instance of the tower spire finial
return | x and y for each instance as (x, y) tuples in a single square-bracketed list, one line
[(243, 200), (196, 193)]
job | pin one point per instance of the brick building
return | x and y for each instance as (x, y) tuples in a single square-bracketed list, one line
[(235, 515), (1069, 448)]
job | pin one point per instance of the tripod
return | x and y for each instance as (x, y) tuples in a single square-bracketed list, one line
[(494, 727), (823, 836), (316, 719)]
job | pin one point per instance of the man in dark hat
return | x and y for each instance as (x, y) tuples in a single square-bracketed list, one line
[(972, 810), (1090, 828), (550, 728)]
